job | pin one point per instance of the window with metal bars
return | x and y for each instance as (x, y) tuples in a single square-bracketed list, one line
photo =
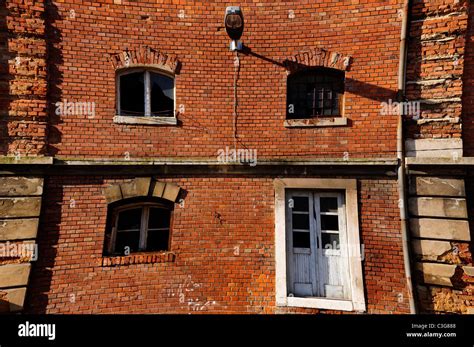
[(314, 93), (138, 226)]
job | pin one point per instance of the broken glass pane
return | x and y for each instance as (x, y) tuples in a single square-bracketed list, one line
[(162, 95)]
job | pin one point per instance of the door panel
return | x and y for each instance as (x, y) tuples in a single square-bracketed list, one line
[(317, 247), (331, 256), (301, 258)]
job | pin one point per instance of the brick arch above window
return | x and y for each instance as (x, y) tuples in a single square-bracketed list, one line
[(145, 56), (317, 57), (141, 187)]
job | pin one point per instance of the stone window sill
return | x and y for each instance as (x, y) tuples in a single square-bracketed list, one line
[(323, 304), (138, 258), (145, 120), (316, 122)]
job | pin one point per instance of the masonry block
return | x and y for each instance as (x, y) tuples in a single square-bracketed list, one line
[(445, 229), (135, 188), (113, 193), (438, 207), (437, 186), (20, 207), (439, 274), (12, 275), (20, 186), (171, 192), (12, 300), (18, 229), (430, 249)]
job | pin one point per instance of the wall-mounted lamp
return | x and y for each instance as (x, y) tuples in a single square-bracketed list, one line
[(234, 25)]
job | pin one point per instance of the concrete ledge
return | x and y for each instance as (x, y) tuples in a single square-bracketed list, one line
[(434, 148), (13, 160), (18, 229), (20, 186), (12, 275), (315, 122), (12, 300), (435, 186), (213, 161), (439, 274), (444, 229), (20, 207), (438, 207), (461, 161), (429, 249), (145, 120)]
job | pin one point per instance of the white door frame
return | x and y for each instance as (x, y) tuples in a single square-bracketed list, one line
[(357, 302)]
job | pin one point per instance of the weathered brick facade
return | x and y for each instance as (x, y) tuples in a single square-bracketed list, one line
[(438, 75), (224, 263), (23, 82), (222, 257)]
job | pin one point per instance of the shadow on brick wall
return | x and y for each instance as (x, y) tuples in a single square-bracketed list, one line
[(413, 91), (39, 287), (5, 77), (55, 76), (60, 255)]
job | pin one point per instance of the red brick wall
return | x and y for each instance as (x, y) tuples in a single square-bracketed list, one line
[(67, 277), (436, 48), (368, 31), (468, 92), (22, 78)]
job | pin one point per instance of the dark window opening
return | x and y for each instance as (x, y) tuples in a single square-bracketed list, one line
[(300, 203), (330, 241), (162, 95), (145, 93), (315, 93), (329, 222), (301, 240), (132, 94), (138, 227)]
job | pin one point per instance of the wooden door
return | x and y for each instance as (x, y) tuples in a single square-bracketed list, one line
[(317, 245)]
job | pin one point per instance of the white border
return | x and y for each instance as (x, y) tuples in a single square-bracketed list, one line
[(357, 303)]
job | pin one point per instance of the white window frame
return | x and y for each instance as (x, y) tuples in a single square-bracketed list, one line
[(357, 302), (146, 118)]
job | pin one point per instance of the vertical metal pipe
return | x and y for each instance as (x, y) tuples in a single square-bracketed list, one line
[(401, 158)]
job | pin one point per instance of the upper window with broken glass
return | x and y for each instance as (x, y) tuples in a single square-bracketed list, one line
[(145, 93)]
